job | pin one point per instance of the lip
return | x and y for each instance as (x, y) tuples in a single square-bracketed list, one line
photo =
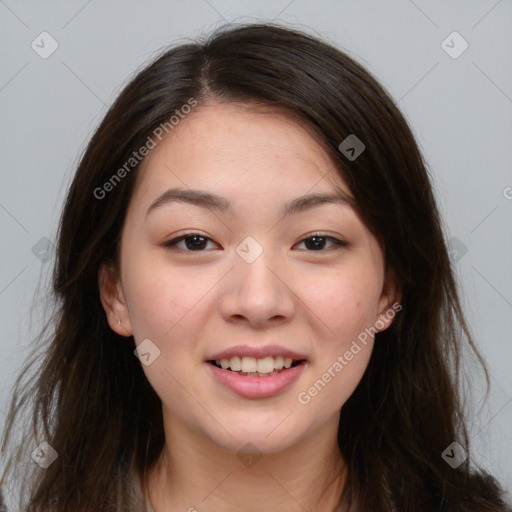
[(257, 352), (257, 387)]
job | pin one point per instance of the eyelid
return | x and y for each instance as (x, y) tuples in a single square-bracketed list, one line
[(173, 241), (338, 243)]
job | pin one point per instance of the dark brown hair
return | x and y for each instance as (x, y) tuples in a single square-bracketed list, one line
[(90, 398)]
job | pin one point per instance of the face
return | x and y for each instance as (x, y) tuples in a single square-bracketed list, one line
[(247, 281)]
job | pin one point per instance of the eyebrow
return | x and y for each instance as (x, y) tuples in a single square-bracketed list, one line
[(213, 201)]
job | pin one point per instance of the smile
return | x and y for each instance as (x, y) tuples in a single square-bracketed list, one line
[(255, 384), (253, 367)]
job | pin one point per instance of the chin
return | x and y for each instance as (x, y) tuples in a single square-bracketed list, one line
[(266, 436)]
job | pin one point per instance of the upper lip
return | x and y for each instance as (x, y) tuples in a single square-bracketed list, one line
[(257, 352)]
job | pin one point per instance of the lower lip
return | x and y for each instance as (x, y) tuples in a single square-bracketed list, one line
[(257, 387)]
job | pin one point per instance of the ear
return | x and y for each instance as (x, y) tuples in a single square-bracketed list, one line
[(389, 302), (113, 300)]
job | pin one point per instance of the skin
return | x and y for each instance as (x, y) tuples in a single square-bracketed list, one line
[(192, 304)]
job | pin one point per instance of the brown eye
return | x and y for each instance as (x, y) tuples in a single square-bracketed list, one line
[(317, 242), (193, 242)]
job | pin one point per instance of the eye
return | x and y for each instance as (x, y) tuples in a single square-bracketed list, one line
[(194, 242), (317, 241)]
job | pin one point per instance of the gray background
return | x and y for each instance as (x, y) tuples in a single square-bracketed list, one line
[(460, 109)]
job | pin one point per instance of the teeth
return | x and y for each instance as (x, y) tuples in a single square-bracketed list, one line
[(235, 363), (249, 365), (265, 365)]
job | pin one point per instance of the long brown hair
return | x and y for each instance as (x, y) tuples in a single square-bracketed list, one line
[(90, 398)]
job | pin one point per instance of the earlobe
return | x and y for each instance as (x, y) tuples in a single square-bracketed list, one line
[(113, 301)]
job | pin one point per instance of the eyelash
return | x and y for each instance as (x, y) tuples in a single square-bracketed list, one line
[(171, 244)]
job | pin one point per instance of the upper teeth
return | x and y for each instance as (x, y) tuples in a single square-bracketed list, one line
[(251, 364)]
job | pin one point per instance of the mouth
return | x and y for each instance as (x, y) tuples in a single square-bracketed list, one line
[(252, 367), (254, 378)]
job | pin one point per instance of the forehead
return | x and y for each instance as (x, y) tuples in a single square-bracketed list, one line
[(240, 148)]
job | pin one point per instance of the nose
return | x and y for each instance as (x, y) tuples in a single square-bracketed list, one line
[(258, 293)]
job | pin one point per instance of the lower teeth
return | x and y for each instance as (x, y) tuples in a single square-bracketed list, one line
[(257, 374)]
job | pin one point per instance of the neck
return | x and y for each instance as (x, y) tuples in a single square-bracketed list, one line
[(196, 474)]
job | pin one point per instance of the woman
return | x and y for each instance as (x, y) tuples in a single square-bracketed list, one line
[(254, 221)]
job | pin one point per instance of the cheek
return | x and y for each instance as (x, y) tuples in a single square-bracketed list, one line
[(345, 305), (158, 299), (149, 304), (343, 302), (169, 307), (161, 306), (337, 380)]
